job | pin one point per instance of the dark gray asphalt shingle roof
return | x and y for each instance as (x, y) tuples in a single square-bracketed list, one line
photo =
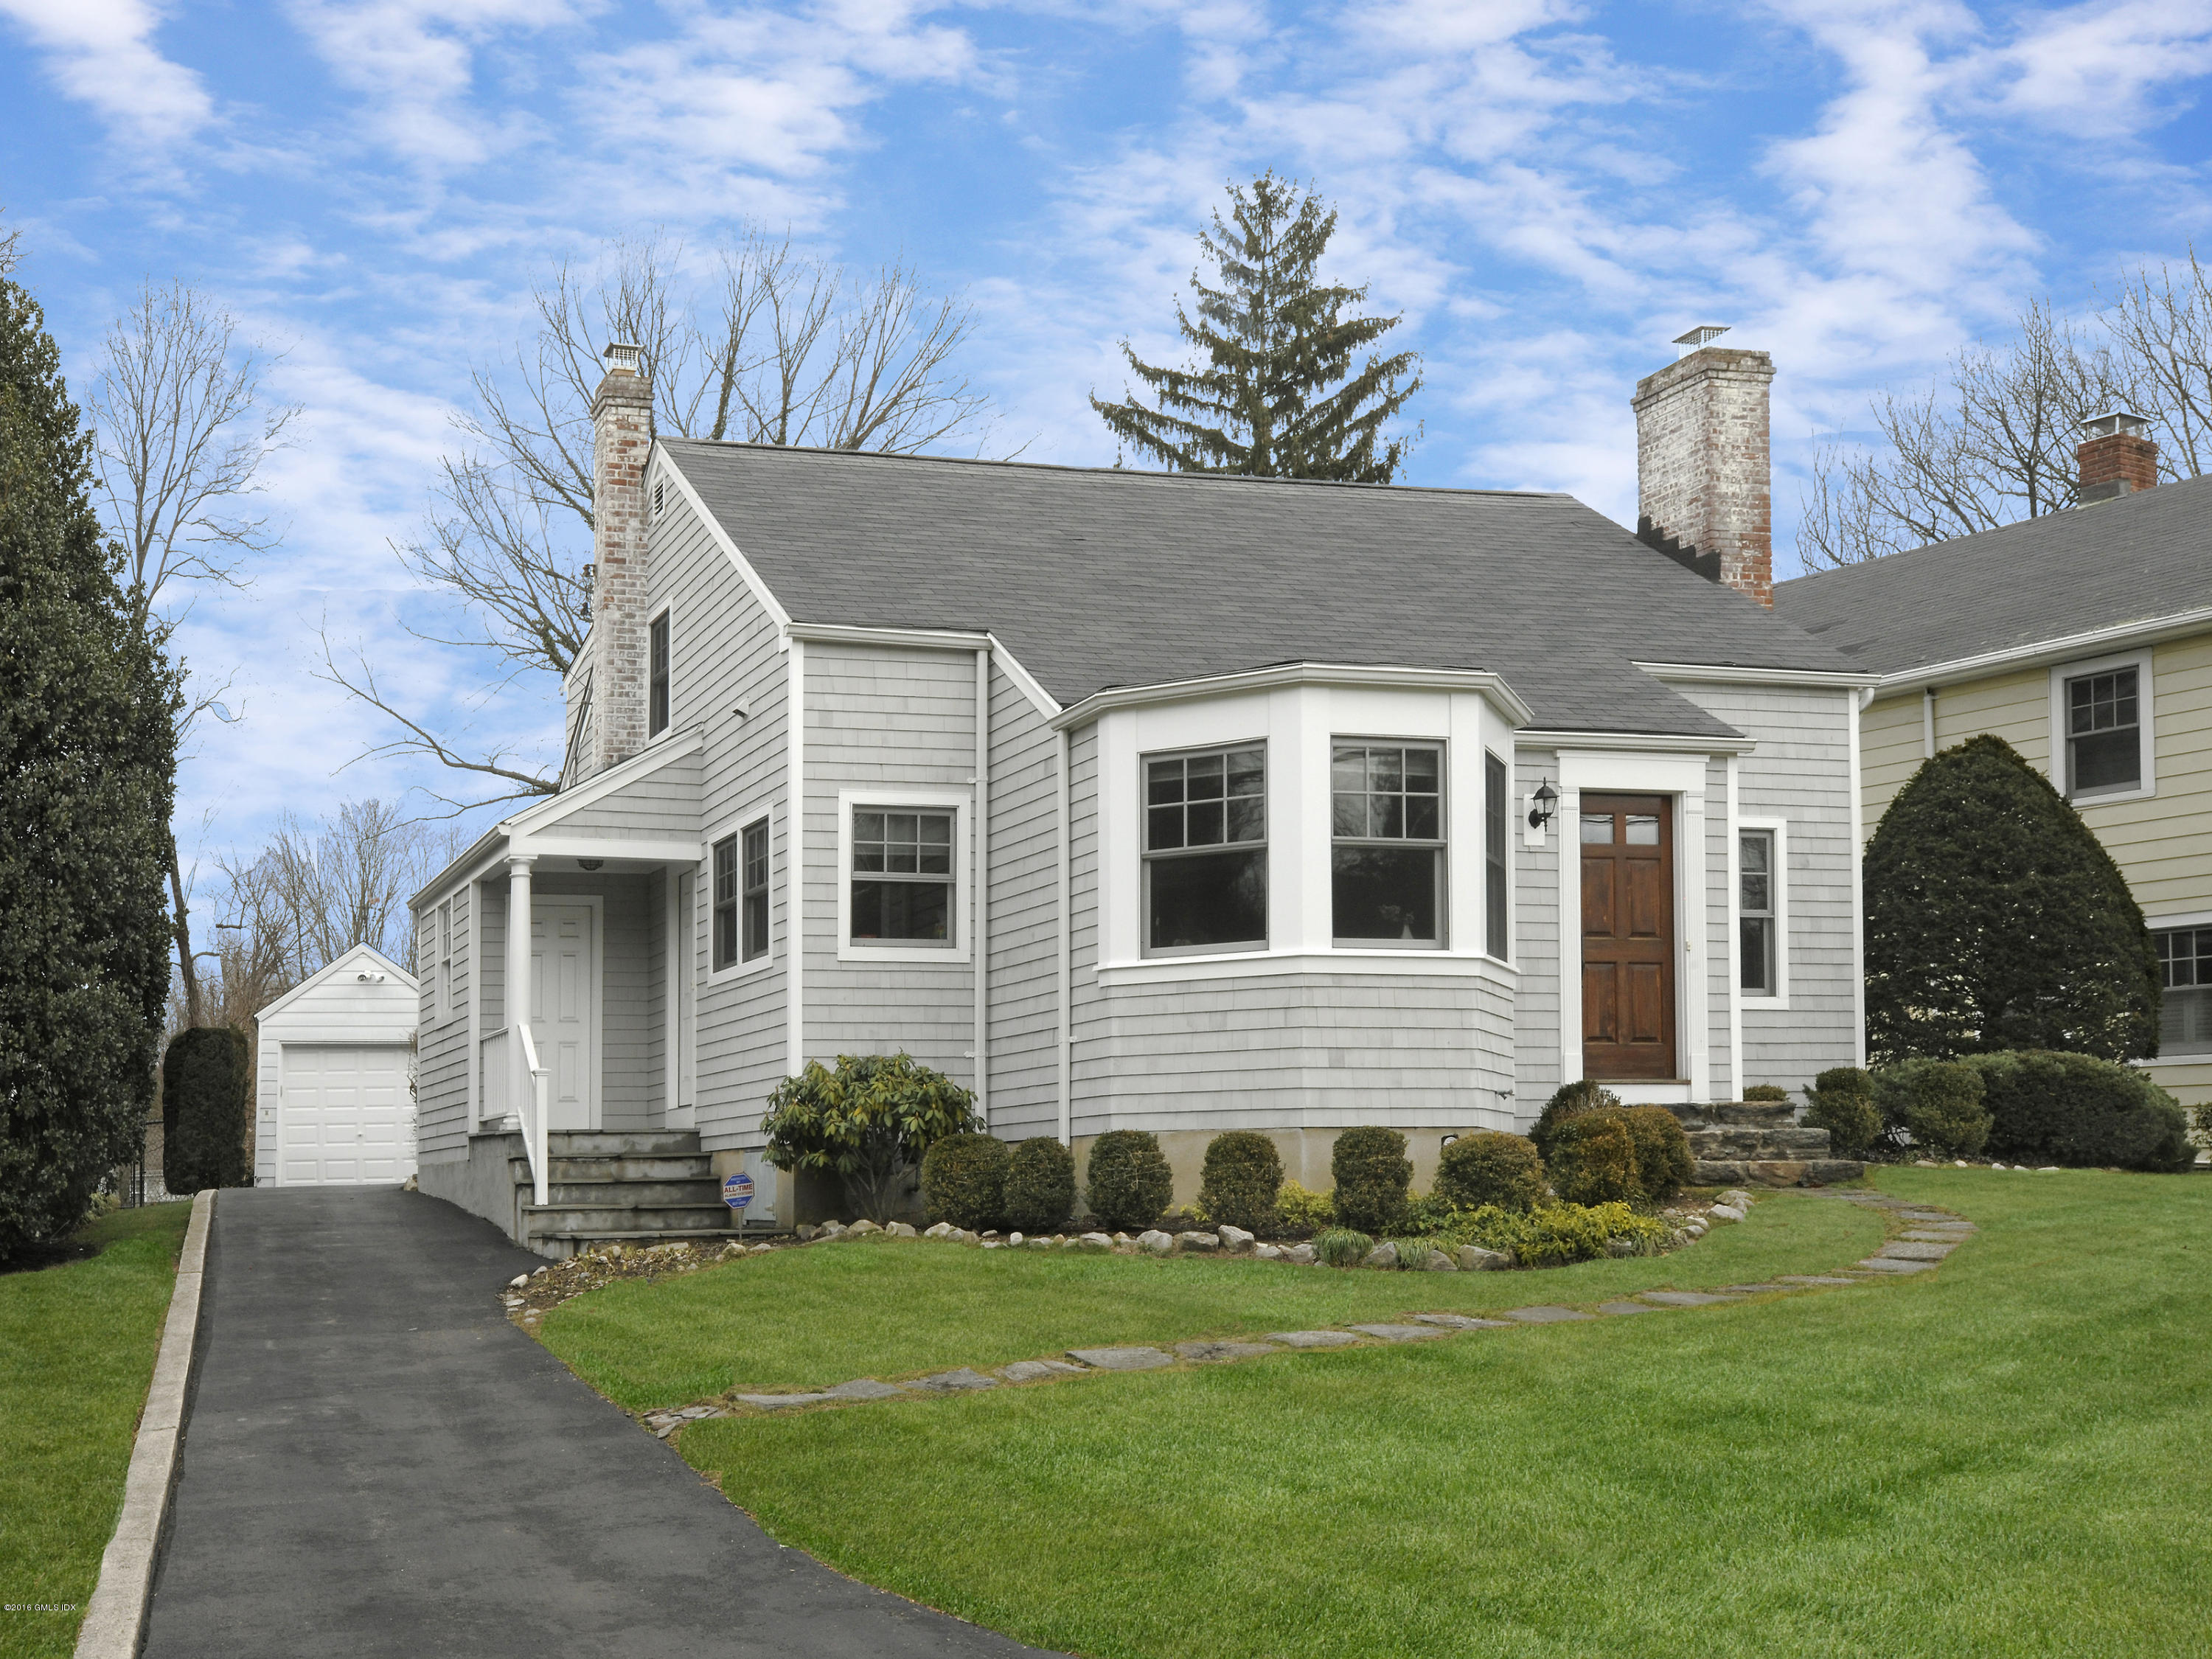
[(1099, 578), (2123, 561)]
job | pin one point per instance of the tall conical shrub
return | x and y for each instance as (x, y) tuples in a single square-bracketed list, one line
[(1995, 920), (87, 751)]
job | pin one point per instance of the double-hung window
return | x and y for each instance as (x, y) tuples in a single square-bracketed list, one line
[(656, 701), (1757, 915), (1387, 860), (2185, 970), (1206, 849), (903, 877), (2104, 732), (723, 921), (755, 943), (1496, 910)]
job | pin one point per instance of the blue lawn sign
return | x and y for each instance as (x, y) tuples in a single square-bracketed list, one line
[(738, 1190)]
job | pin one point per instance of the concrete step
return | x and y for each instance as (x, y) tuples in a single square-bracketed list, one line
[(1742, 1143), (1775, 1171), (623, 1143), (622, 1220), (633, 1195), (696, 1167)]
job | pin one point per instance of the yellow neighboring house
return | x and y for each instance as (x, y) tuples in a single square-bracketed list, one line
[(2084, 639)]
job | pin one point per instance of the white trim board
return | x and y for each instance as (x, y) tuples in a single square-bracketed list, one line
[(1348, 676)]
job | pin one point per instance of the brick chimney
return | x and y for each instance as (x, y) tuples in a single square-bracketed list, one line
[(2115, 457), (622, 442), (1703, 482)]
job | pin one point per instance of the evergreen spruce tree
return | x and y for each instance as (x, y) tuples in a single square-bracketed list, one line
[(1995, 920), (86, 758), (1276, 342)]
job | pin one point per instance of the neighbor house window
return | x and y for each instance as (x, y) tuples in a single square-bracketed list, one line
[(1386, 821), (725, 920), (2184, 969), (1206, 850), (1497, 912), (755, 893), (902, 876), (656, 714), (1755, 911), (2104, 732)]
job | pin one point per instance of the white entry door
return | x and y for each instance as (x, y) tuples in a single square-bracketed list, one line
[(346, 1117), (565, 1014)]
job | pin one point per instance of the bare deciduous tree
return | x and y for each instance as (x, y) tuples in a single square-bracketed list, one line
[(2163, 323), (183, 430), (773, 347), (1993, 442)]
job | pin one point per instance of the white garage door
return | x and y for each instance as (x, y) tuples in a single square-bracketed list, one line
[(347, 1118)]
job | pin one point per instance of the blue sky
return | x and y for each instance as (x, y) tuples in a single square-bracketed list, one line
[(1550, 191)]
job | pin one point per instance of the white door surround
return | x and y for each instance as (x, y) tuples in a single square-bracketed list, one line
[(344, 1117), (565, 936)]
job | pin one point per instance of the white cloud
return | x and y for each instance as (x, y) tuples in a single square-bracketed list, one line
[(2093, 70), (101, 52)]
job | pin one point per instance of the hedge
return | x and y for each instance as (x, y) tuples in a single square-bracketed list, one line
[(1593, 1159), (1489, 1168), (963, 1181), (1938, 1102), (1567, 1103), (1130, 1181), (1372, 1174), (1242, 1175), (1039, 1185), (203, 1109), (1841, 1101), (2050, 1108), (1664, 1164)]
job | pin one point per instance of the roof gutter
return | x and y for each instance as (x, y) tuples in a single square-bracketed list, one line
[(1691, 673), (2043, 653)]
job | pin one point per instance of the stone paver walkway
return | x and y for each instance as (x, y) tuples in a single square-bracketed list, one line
[(1917, 1249)]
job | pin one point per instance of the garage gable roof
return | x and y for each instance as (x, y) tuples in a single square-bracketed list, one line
[(347, 961)]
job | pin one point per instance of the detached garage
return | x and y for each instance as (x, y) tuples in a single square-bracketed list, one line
[(335, 1105)]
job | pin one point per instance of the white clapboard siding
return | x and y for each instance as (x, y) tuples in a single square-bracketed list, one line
[(334, 1057)]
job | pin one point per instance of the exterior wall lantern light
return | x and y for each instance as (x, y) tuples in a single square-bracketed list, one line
[(1546, 798)]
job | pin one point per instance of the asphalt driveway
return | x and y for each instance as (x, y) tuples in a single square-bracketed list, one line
[(377, 1463)]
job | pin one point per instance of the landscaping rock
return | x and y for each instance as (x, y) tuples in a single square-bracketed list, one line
[(1547, 1315), (1203, 1242), (1682, 1298), (1120, 1360), (1737, 1196), (1727, 1212), (1304, 1254), (1472, 1258), (1626, 1308), (1267, 1253), (804, 1232), (1207, 1352), (1889, 1264), (865, 1387), (1040, 1244), (942, 1229), (1460, 1323), (760, 1249), (1235, 1238), (1032, 1370), (900, 1230), (1904, 1249), (1399, 1332), (1095, 1242), (861, 1229), (1438, 1262), (1013, 1240), (1154, 1240), (962, 1235), (1384, 1254), (965, 1380), (1313, 1339), (518, 1281)]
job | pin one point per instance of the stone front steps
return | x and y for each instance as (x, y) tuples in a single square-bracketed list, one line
[(1759, 1143), (607, 1187)]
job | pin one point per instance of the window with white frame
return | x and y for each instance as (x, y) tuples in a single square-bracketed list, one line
[(2103, 731), (1497, 906), (901, 883), (1758, 912), (445, 958), (1387, 843), (656, 701), (722, 919), (2185, 970), (1206, 849), (755, 943)]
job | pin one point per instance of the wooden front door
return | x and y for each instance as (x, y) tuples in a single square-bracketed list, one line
[(1628, 936)]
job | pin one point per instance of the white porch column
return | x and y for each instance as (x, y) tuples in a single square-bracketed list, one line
[(518, 986)]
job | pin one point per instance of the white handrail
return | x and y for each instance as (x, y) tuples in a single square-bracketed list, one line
[(533, 1126)]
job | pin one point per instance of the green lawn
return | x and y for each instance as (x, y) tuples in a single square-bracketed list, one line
[(2006, 1457), (76, 1350), (890, 1307)]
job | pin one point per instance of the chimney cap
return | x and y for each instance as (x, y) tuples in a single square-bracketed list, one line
[(621, 357), (2113, 422), (1703, 335)]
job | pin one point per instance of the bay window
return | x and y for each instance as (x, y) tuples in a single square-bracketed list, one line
[(1387, 851), (1206, 850)]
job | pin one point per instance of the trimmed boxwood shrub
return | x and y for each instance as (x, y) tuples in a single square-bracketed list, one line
[(1995, 920), (1373, 1175), (1841, 1101), (203, 1116), (1939, 1101), (1242, 1175), (1664, 1164), (1570, 1102), (1490, 1168), (1341, 1247), (1593, 1159), (1767, 1091), (1040, 1184), (2055, 1108), (963, 1181), (1130, 1181)]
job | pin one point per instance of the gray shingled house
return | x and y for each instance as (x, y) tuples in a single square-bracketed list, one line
[(1171, 802)]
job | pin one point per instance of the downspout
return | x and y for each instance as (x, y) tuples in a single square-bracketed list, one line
[(1736, 936), (1067, 949), (1927, 723), (983, 883), (794, 860), (1857, 704)]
